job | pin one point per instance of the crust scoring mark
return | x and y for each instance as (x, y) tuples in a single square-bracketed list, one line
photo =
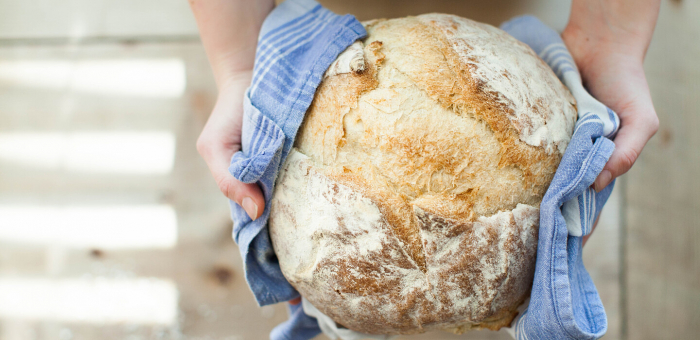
[(475, 270), (506, 78), (405, 260)]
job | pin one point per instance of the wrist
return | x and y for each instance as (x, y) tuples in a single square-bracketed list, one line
[(582, 43), (592, 53), (234, 82), (600, 27), (229, 30), (233, 67)]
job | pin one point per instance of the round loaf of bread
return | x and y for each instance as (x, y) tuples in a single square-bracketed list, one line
[(411, 199)]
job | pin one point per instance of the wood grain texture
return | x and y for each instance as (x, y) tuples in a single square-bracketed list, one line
[(663, 192), (87, 19)]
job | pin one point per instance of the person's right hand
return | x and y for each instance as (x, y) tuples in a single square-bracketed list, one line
[(229, 30), (221, 138)]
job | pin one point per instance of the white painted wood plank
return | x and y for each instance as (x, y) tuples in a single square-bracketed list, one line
[(201, 209), (663, 192), (76, 19)]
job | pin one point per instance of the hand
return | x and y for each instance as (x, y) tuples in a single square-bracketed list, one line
[(608, 40), (229, 30), (221, 138)]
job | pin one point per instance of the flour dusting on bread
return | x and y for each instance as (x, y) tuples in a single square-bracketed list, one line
[(521, 81), (410, 201)]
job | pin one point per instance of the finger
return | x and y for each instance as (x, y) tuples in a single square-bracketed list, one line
[(627, 149), (295, 301), (247, 195), (629, 143)]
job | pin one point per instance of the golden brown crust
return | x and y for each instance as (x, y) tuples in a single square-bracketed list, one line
[(338, 250), (458, 164), (426, 140)]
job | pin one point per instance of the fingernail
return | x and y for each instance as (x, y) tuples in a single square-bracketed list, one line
[(602, 181), (250, 207)]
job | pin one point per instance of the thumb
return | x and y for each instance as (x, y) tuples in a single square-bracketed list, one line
[(247, 195)]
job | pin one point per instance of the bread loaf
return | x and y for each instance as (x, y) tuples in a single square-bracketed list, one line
[(411, 199)]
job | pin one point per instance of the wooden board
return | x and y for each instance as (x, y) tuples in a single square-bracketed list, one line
[(662, 264), (654, 294), (78, 20)]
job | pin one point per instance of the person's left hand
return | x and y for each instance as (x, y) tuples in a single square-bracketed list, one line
[(608, 41)]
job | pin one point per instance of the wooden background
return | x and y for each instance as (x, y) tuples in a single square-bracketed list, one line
[(644, 258)]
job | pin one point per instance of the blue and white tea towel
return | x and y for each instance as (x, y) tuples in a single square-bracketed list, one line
[(564, 303), (297, 43)]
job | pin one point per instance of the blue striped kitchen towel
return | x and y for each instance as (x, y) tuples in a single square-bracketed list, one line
[(564, 303), (298, 41)]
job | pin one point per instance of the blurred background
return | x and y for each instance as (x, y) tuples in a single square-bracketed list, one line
[(111, 227)]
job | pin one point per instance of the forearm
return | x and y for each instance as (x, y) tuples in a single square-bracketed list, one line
[(626, 26), (608, 40), (229, 30)]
